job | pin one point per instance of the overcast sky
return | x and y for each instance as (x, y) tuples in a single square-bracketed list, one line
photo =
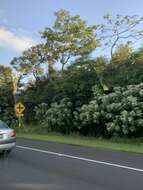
[(22, 20)]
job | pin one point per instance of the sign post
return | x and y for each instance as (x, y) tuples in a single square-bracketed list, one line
[(19, 109)]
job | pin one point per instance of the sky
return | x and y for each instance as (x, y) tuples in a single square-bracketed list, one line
[(22, 20)]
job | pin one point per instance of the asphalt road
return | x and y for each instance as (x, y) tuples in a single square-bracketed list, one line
[(36, 165)]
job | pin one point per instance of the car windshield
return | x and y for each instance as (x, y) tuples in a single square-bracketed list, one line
[(3, 125)]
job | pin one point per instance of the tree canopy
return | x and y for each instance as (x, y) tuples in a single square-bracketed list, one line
[(69, 89)]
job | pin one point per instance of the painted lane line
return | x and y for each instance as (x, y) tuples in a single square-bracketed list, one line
[(80, 158)]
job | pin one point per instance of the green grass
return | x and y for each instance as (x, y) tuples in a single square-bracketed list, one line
[(118, 144)]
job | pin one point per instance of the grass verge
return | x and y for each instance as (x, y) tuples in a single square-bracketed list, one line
[(118, 144)]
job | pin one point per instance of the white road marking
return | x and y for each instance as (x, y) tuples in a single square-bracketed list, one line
[(80, 158)]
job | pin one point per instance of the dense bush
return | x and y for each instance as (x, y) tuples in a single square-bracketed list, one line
[(7, 114), (59, 117), (40, 112), (118, 113), (61, 74), (126, 107), (91, 116), (7, 106)]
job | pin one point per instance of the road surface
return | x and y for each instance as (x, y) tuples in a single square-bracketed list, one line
[(36, 165)]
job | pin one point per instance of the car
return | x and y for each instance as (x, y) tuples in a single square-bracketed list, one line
[(7, 138)]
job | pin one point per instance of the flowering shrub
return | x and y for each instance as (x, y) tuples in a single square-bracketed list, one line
[(40, 111), (91, 116), (59, 117), (118, 113)]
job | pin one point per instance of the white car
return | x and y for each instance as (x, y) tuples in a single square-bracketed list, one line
[(7, 138)]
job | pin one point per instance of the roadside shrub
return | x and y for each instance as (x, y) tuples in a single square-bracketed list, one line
[(119, 113), (127, 111), (92, 116), (7, 115), (59, 117), (40, 112)]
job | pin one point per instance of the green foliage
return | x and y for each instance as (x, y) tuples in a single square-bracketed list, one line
[(119, 113), (92, 116), (123, 74), (40, 111), (128, 111), (62, 99), (59, 117), (7, 114), (77, 81), (6, 96), (5, 76), (69, 37), (122, 54), (30, 62)]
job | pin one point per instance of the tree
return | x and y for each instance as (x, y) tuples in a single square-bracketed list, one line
[(125, 68), (30, 62), (5, 76), (76, 82), (121, 29), (137, 56), (95, 66), (6, 96), (70, 37), (122, 54)]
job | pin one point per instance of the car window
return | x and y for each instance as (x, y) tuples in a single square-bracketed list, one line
[(3, 125)]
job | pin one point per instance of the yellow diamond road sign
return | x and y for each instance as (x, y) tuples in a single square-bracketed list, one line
[(19, 107)]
